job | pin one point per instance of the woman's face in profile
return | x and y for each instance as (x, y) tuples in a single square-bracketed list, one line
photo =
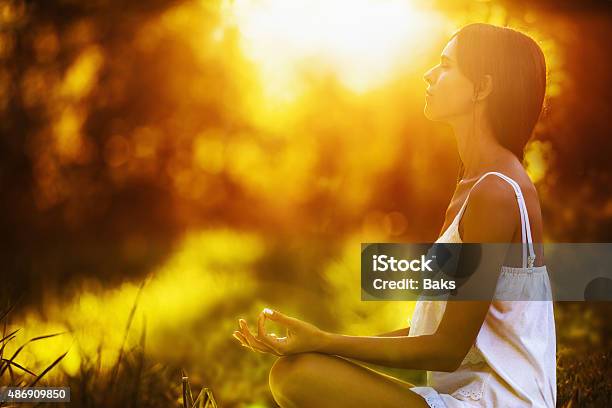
[(449, 92)]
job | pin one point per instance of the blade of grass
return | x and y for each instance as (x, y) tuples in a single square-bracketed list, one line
[(4, 345), (46, 370), (4, 324), (187, 396), (9, 362), (184, 384), (210, 399), (7, 311), (11, 374), (115, 371), (46, 336), (140, 365), (28, 342), (205, 399), (9, 335), (198, 401)]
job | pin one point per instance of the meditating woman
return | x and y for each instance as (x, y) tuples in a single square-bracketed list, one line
[(489, 86)]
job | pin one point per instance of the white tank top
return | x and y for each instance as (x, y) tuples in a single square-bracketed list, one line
[(513, 360)]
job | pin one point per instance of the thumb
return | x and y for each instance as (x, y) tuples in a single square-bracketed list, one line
[(277, 316)]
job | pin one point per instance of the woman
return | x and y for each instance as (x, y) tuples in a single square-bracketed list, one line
[(489, 86)]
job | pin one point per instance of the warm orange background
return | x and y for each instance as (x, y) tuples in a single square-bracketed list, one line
[(233, 155)]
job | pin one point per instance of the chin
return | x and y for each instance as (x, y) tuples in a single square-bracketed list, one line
[(434, 116), (429, 114)]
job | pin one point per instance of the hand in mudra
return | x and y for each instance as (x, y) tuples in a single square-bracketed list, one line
[(301, 337)]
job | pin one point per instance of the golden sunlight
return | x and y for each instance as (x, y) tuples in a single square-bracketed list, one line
[(363, 42), (195, 279)]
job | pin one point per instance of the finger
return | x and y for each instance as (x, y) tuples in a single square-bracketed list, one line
[(273, 342), (278, 345), (246, 335), (261, 325), (253, 346), (243, 341), (244, 328), (238, 336), (275, 337), (246, 332), (261, 328), (279, 339), (252, 340), (277, 316), (265, 349)]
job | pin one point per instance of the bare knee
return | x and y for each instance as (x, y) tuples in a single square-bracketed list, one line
[(290, 375), (283, 374), (279, 371)]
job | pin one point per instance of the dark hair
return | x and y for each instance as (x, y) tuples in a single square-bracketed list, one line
[(518, 69)]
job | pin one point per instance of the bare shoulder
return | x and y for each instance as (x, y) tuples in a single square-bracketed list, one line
[(492, 188), (491, 213), (528, 190)]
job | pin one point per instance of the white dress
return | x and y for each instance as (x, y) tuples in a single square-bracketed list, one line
[(513, 360)]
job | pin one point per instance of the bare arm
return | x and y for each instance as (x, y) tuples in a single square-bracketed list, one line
[(490, 205), (491, 216), (419, 352), (395, 333)]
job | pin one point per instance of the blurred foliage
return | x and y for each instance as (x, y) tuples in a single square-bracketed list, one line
[(233, 155), (584, 354), (583, 381)]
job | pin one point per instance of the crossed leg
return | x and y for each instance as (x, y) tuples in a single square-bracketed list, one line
[(321, 380)]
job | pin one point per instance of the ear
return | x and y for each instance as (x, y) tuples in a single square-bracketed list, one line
[(483, 89)]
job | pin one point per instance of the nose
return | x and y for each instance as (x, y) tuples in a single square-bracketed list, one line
[(428, 76)]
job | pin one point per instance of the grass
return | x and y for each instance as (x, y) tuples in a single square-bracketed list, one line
[(11, 372), (584, 380), (132, 382), (205, 398), (135, 381)]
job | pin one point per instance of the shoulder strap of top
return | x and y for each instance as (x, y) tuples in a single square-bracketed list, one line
[(525, 226)]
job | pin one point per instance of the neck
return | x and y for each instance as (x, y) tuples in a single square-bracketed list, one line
[(478, 149)]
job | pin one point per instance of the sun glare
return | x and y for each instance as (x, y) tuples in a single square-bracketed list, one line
[(363, 42)]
